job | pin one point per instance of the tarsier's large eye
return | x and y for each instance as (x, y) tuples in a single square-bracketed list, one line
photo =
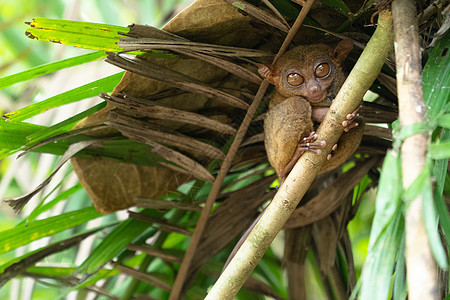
[(295, 79), (322, 70)]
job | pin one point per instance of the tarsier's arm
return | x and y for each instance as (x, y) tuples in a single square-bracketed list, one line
[(318, 113)]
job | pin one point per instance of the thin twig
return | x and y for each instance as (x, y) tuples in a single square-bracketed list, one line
[(275, 11), (298, 22)]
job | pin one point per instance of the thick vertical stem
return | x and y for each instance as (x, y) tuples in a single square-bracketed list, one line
[(421, 269)]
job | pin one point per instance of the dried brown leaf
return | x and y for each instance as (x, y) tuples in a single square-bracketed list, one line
[(296, 244), (137, 31), (331, 197), (260, 14), (188, 165), (19, 203), (161, 222), (325, 237), (129, 44), (253, 139), (164, 204), (145, 132), (382, 132), (91, 130), (113, 185), (170, 255), (227, 66), (150, 109), (377, 113), (153, 280), (173, 78), (229, 219)]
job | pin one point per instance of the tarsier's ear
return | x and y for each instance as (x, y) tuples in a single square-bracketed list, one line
[(343, 49), (269, 73)]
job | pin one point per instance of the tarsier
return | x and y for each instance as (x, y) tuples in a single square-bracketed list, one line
[(307, 79)]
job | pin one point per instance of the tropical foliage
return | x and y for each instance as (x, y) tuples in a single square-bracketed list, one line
[(182, 133)]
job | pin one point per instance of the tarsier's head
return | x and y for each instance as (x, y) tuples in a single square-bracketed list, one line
[(310, 71)]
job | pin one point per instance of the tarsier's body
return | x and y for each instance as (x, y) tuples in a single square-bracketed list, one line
[(307, 79)]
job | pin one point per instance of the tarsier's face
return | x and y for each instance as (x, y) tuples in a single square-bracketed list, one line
[(310, 71), (310, 80)]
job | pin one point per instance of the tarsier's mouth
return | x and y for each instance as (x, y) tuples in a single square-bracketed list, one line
[(317, 98)]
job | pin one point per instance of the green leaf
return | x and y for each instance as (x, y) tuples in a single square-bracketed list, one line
[(444, 217), (436, 78), (430, 217), (399, 289), (379, 266), (92, 89), (444, 121), (361, 188), (286, 8), (417, 186), (132, 262), (439, 173), (61, 127), (388, 199), (22, 263), (387, 231), (352, 17), (13, 136), (24, 234), (52, 271), (239, 5), (49, 68), (410, 130), (79, 34), (269, 270), (339, 6), (447, 184), (113, 244), (439, 150)]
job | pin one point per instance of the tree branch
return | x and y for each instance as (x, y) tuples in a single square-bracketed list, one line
[(306, 169)]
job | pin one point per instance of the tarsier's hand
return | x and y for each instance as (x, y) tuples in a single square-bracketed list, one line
[(308, 143), (350, 122), (333, 149)]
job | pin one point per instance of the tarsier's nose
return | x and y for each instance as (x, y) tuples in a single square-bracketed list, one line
[(313, 89), (315, 93)]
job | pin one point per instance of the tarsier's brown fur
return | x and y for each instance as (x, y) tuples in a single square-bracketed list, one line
[(294, 109)]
